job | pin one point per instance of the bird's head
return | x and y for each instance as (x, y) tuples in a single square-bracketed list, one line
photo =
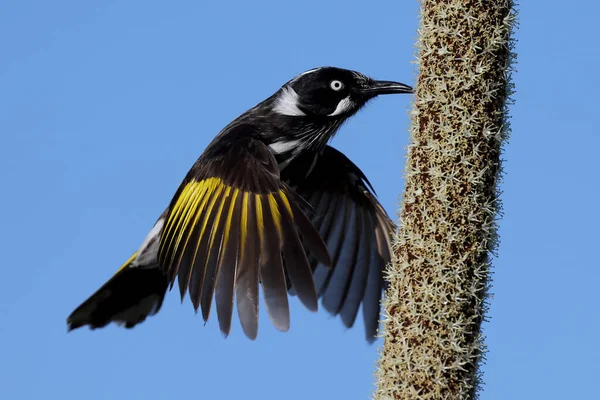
[(305, 113), (329, 93)]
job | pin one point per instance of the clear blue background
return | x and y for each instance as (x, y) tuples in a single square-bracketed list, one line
[(105, 105)]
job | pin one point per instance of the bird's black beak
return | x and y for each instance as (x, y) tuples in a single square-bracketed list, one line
[(375, 88)]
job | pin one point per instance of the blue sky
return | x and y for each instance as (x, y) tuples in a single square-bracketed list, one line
[(105, 105)]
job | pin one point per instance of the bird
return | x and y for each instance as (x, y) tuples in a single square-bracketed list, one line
[(268, 203)]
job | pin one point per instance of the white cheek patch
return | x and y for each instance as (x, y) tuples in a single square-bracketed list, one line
[(344, 105), (287, 103)]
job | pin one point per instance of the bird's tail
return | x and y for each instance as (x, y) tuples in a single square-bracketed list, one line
[(131, 295)]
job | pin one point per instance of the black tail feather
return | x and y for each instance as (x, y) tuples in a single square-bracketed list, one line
[(130, 296)]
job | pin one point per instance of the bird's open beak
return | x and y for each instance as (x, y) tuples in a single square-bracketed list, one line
[(375, 88)]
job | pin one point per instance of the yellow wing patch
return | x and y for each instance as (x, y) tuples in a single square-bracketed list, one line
[(126, 264), (192, 212), (276, 214)]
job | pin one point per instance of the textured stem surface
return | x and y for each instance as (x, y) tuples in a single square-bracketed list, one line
[(436, 301)]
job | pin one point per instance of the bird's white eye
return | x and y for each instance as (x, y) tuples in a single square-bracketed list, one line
[(336, 85)]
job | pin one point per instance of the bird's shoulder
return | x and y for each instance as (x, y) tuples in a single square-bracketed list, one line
[(239, 156)]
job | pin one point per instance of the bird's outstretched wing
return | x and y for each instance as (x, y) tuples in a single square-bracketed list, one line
[(356, 229), (228, 227)]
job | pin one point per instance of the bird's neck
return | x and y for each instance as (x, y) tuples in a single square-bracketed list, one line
[(290, 139), (290, 136)]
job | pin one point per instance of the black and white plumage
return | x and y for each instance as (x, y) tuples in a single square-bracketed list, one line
[(270, 204)]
